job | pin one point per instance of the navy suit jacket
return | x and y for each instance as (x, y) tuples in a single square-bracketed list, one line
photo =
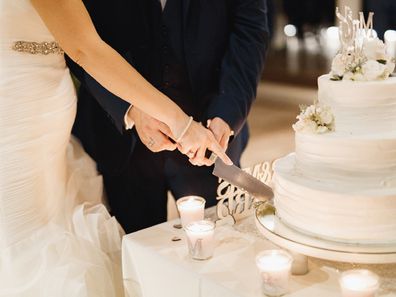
[(225, 42)]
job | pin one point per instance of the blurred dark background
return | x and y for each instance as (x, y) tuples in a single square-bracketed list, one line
[(304, 41), (304, 38)]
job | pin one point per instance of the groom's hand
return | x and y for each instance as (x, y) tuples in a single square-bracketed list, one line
[(221, 131), (153, 133)]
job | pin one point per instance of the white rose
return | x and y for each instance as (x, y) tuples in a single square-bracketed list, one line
[(348, 76), (338, 66), (321, 129), (310, 111), (374, 49), (309, 126), (305, 126), (372, 70), (326, 116), (358, 76)]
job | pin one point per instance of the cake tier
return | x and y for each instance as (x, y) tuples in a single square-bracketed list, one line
[(369, 159), (360, 107), (336, 210)]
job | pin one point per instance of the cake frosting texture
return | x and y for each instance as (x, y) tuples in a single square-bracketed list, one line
[(360, 107)]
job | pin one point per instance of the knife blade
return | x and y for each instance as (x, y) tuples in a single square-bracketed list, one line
[(243, 180)]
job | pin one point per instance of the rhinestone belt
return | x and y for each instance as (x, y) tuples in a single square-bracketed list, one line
[(34, 48)]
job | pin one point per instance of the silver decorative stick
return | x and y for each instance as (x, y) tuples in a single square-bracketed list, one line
[(352, 33), (346, 30)]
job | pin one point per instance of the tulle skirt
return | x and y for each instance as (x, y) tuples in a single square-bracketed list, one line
[(56, 236)]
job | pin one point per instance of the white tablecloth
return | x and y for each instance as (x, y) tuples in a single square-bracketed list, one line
[(156, 266)]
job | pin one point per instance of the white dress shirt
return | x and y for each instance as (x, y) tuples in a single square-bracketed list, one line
[(163, 3)]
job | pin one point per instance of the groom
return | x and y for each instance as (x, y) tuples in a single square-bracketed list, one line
[(207, 56)]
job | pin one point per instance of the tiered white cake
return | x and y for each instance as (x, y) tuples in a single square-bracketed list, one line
[(340, 184)]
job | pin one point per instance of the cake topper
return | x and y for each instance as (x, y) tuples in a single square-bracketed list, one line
[(352, 33), (346, 31), (366, 27), (234, 203)]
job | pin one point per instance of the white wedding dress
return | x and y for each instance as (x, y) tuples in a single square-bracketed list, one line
[(56, 238)]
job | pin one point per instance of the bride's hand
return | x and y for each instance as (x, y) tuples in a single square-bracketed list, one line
[(194, 143)]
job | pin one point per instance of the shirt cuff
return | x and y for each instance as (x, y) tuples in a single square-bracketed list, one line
[(128, 122)]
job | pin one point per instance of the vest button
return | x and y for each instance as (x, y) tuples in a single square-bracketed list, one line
[(165, 49), (164, 30), (166, 84)]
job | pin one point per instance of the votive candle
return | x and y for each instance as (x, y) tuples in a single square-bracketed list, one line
[(359, 283), (200, 237), (191, 209), (274, 267)]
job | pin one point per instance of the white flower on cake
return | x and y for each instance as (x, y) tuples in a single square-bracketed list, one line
[(314, 119), (372, 70), (374, 49), (374, 64)]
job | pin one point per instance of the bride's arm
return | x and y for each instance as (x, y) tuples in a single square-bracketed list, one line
[(71, 25)]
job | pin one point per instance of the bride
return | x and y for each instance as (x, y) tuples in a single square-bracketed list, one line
[(56, 238)]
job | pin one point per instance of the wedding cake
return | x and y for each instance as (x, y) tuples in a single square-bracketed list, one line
[(340, 184)]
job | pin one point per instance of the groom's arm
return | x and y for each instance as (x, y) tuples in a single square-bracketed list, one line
[(242, 64), (115, 107)]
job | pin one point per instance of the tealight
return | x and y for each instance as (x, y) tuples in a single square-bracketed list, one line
[(359, 283), (191, 209), (275, 267), (200, 237)]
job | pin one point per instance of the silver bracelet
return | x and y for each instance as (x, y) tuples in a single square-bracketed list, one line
[(185, 130)]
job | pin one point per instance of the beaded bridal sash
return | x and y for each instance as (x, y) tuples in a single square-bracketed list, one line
[(34, 48)]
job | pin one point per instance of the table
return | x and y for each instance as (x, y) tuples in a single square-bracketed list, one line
[(156, 266)]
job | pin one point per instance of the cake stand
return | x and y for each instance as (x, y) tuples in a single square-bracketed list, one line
[(286, 237)]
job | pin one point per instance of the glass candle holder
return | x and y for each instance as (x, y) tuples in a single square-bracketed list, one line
[(275, 267), (200, 238), (359, 283), (191, 209)]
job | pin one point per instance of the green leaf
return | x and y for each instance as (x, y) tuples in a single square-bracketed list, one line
[(336, 78), (381, 61)]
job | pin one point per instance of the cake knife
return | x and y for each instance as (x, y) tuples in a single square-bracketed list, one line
[(243, 180)]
